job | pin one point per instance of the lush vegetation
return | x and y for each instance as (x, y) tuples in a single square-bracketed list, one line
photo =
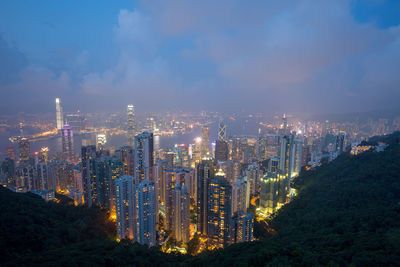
[(346, 213)]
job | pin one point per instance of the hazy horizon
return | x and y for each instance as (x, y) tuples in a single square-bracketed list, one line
[(305, 57)]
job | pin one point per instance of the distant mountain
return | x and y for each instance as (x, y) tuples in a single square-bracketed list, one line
[(347, 212)]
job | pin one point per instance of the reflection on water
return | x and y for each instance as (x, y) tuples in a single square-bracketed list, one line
[(160, 142)]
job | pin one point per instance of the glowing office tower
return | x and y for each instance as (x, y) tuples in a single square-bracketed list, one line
[(101, 141), (24, 150), (219, 216), (144, 212), (59, 115), (205, 142), (130, 129), (196, 152), (124, 205), (204, 173), (222, 131), (144, 156), (67, 139)]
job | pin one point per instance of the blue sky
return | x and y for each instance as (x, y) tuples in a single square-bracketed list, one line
[(267, 56)]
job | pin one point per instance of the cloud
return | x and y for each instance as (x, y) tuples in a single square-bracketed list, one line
[(12, 61), (268, 56)]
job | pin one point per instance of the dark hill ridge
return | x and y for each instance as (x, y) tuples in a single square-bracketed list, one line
[(346, 213)]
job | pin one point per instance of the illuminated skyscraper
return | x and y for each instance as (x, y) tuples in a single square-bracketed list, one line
[(67, 139), (24, 150), (219, 216), (180, 213), (298, 156), (181, 156), (240, 195), (144, 212), (205, 142), (101, 141), (221, 151), (126, 156), (130, 129), (339, 142), (196, 152), (124, 205), (44, 154), (242, 227), (287, 153), (204, 172), (89, 179), (269, 193), (144, 156), (10, 153), (59, 114), (222, 131)]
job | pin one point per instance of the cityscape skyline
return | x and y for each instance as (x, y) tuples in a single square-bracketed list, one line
[(189, 127)]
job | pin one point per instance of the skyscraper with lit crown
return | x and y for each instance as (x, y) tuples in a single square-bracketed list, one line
[(59, 114), (130, 129)]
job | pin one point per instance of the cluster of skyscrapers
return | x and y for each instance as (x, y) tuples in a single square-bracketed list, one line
[(155, 195)]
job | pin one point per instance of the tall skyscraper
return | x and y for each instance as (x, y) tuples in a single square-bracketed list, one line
[(339, 142), (126, 155), (205, 142), (240, 195), (124, 205), (298, 156), (67, 139), (89, 180), (269, 195), (144, 211), (219, 216), (222, 131), (180, 213), (130, 129), (59, 115), (287, 153), (204, 172), (101, 141), (144, 156), (221, 151), (24, 150), (11, 153)]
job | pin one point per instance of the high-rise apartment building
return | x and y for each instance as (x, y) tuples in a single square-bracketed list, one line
[(144, 211), (124, 206), (144, 156)]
